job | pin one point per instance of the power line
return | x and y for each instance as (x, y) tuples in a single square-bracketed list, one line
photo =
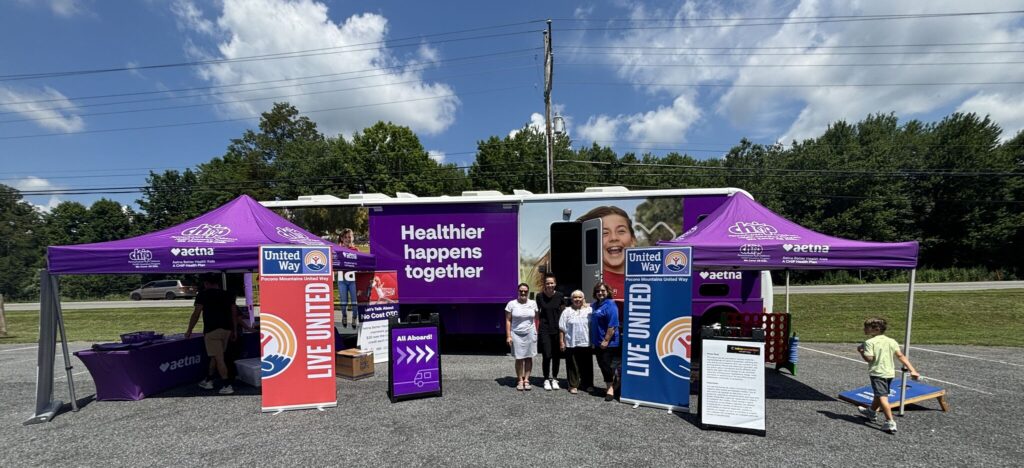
[(773, 18), (419, 67), (804, 53), (239, 119), (788, 65), (803, 47), (822, 85), (273, 56), (262, 98)]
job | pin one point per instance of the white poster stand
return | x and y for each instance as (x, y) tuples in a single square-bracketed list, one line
[(732, 391)]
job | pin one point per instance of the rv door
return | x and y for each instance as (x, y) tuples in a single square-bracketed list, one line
[(592, 265)]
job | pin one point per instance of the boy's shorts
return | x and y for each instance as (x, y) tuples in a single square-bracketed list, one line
[(216, 342), (880, 385)]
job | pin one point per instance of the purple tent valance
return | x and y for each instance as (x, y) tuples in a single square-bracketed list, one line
[(227, 238), (743, 234)]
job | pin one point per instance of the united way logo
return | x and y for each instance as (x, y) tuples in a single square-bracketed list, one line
[(205, 233), (673, 347), (278, 341), (296, 236), (676, 261), (315, 261)]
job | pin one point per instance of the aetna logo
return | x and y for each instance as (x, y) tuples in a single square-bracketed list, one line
[(180, 363), (752, 227), (350, 255), (193, 252), (806, 248), (140, 255), (721, 275)]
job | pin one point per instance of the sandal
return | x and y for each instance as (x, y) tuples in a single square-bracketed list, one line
[(520, 386), (527, 386), (572, 391)]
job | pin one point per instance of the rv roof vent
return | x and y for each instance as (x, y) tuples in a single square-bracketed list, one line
[(609, 189), (481, 193), (326, 198), (367, 196), (405, 195), (521, 192)]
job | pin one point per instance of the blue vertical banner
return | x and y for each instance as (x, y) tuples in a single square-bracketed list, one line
[(657, 328)]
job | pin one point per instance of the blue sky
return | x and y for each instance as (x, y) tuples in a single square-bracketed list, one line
[(459, 72)]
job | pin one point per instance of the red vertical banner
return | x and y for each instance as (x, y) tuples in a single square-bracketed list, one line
[(297, 328)]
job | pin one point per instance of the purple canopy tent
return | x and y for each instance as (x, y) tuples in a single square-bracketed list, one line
[(226, 239), (742, 234)]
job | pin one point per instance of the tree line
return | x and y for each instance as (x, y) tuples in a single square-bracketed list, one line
[(955, 185)]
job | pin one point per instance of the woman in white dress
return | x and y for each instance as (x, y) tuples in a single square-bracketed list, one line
[(521, 334), (574, 325)]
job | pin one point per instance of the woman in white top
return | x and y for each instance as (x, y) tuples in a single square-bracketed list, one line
[(574, 325), (521, 334)]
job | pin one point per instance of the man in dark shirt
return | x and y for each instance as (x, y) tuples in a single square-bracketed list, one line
[(220, 314), (550, 304)]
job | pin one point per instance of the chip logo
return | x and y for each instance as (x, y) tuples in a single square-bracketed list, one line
[(752, 227), (676, 261), (673, 347), (205, 234), (278, 342), (751, 249), (349, 255), (296, 236), (315, 261), (140, 255)]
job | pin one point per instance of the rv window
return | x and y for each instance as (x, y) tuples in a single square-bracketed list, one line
[(714, 290), (591, 240)]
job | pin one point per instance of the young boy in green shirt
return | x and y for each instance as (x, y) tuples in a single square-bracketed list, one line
[(878, 351)]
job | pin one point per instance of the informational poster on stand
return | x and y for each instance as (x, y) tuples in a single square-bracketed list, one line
[(414, 370), (296, 328), (656, 328), (377, 296), (732, 385)]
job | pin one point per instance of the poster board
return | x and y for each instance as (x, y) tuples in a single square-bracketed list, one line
[(732, 390), (414, 370), (377, 298), (296, 328)]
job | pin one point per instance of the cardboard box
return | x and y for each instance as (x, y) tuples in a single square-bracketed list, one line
[(354, 364), (249, 371)]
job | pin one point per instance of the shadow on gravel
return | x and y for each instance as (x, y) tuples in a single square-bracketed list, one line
[(785, 387), (192, 390), (82, 403)]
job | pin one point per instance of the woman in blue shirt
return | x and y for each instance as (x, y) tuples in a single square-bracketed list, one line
[(604, 337)]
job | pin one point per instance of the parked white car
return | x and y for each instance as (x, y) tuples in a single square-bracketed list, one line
[(163, 289)]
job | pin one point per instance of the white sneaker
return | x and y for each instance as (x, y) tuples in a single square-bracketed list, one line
[(889, 426), (547, 385), (226, 390), (871, 416), (206, 384), (554, 384)]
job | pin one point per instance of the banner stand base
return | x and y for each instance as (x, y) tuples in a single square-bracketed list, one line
[(46, 415), (278, 409), (670, 408)]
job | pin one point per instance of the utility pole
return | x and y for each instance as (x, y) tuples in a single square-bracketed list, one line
[(549, 66), (3, 318)]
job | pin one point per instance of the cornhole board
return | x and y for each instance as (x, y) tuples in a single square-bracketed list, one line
[(916, 392)]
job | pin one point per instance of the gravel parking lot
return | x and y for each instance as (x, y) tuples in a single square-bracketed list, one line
[(482, 420)]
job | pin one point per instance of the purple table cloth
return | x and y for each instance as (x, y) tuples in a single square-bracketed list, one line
[(134, 374)]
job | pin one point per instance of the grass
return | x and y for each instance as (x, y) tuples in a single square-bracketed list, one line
[(986, 318), (100, 324)]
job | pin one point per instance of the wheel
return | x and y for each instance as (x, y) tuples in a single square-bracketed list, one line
[(136, 297), (169, 295)]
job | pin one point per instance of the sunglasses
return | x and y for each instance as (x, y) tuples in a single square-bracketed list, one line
[(523, 292)]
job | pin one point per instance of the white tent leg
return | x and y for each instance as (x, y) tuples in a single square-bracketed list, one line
[(906, 341), (787, 291)]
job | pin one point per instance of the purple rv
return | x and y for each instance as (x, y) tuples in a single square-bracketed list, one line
[(462, 256)]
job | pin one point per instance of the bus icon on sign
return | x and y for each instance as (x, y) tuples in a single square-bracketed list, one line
[(423, 377)]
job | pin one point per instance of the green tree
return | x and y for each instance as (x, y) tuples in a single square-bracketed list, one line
[(22, 245)]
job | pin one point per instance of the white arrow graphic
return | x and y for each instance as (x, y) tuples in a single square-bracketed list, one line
[(419, 354), (412, 354), (430, 353), (401, 354)]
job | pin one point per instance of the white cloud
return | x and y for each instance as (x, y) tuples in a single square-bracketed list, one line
[(259, 27), (664, 124), (437, 156), (56, 113), (1007, 109), (536, 123), (33, 183), (724, 56), (190, 17)]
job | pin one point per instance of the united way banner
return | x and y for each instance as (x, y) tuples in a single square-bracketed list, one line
[(296, 328), (657, 328)]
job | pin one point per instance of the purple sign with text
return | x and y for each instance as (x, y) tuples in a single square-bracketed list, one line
[(415, 361), (459, 253)]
